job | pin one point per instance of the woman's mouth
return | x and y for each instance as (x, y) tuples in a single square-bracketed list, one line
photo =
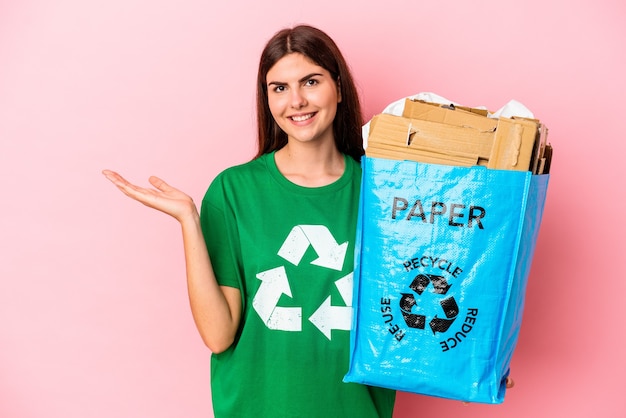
[(302, 118)]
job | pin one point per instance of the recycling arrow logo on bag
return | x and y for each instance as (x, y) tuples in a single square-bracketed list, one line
[(409, 305), (275, 283)]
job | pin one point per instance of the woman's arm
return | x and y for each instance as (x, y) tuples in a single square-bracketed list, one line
[(216, 309)]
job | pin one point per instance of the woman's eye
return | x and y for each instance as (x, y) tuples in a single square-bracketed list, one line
[(311, 82), (279, 89)]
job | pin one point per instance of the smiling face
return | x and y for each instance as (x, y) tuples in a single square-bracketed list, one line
[(302, 98)]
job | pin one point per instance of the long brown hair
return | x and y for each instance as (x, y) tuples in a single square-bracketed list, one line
[(322, 50)]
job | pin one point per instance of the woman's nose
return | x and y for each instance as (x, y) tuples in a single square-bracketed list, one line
[(298, 100)]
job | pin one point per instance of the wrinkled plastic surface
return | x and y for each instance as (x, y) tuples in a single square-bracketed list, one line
[(442, 261)]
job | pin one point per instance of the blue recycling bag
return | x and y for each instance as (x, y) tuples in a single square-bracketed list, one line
[(442, 261)]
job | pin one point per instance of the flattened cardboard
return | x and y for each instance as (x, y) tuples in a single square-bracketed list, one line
[(457, 116), (455, 135), (513, 144), (415, 135)]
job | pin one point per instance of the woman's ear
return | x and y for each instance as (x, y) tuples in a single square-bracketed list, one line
[(338, 89)]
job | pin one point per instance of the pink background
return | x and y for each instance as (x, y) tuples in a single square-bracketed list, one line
[(94, 319)]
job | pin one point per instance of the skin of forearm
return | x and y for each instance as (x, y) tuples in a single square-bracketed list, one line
[(215, 309)]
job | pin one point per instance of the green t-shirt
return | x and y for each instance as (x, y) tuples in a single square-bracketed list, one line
[(290, 249)]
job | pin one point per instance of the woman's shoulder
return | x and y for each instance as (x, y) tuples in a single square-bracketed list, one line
[(240, 174), (249, 168)]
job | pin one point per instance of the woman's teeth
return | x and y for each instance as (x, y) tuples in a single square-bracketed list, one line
[(302, 118)]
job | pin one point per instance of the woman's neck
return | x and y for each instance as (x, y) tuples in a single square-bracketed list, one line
[(310, 166)]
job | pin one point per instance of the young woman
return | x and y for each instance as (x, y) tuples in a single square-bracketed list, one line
[(269, 258)]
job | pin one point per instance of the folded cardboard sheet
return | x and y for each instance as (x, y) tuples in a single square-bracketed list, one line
[(455, 135)]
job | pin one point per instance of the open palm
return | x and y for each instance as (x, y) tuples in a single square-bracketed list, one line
[(163, 197)]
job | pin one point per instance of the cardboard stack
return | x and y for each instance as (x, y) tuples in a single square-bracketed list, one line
[(455, 135)]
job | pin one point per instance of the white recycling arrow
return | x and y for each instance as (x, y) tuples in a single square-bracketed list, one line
[(330, 253), (275, 283), (328, 317), (345, 286)]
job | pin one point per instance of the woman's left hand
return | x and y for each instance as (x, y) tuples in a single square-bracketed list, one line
[(509, 382)]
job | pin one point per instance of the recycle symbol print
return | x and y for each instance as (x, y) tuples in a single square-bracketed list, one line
[(408, 303), (275, 283)]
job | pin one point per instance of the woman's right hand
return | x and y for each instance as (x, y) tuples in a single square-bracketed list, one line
[(163, 197), (216, 309)]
